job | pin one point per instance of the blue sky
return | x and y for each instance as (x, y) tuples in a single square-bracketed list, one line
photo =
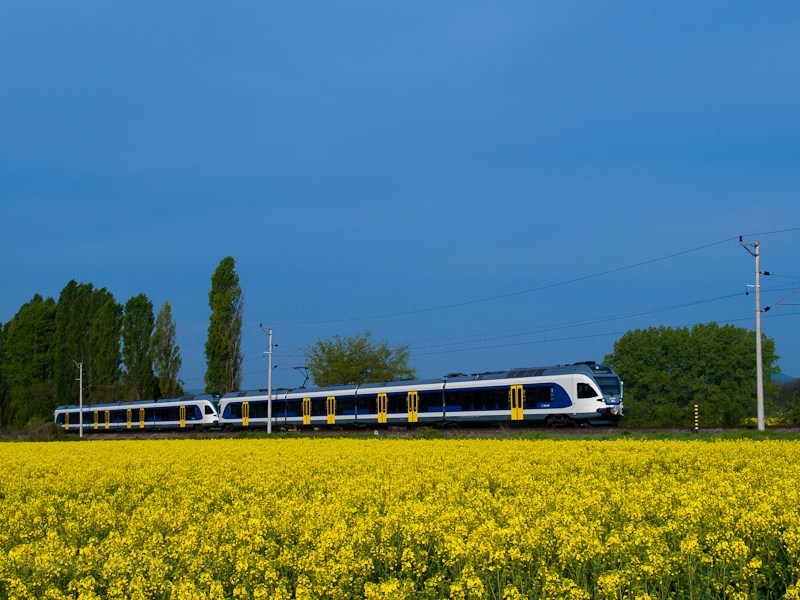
[(361, 159)]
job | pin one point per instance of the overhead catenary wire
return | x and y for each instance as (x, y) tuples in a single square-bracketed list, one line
[(587, 336), (535, 289)]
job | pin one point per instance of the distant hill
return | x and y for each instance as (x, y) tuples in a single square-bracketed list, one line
[(782, 377)]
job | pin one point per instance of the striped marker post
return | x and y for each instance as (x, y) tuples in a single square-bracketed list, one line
[(696, 419)]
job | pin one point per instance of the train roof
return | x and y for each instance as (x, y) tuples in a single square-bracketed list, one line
[(189, 398), (586, 368)]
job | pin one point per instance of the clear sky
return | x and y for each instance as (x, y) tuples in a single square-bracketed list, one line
[(370, 158)]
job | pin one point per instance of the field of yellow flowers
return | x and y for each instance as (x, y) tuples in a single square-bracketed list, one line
[(306, 518)]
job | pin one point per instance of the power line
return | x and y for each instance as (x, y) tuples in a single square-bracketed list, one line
[(567, 324), (588, 336), (528, 291), (536, 289)]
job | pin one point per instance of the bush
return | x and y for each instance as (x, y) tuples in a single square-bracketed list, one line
[(41, 430)]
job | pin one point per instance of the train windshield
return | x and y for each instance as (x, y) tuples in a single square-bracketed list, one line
[(608, 384)]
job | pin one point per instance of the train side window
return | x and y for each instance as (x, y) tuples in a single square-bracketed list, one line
[(424, 402), (294, 408), (502, 400), (319, 407), (585, 390), (490, 399), (345, 406), (209, 410), (454, 400)]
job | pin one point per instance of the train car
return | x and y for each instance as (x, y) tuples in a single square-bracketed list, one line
[(558, 395), (195, 411)]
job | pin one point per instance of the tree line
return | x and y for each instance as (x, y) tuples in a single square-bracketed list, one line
[(126, 351)]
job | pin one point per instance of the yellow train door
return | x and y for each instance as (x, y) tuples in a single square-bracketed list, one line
[(306, 411), (183, 416), (331, 410), (413, 407), (108, 419), (141, 418), (129, 418), (66, 421), (95, 419), (245, 414), (516, 402), (382, 408)]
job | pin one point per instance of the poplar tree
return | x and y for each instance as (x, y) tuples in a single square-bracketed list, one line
[(137, 329), (224, 344), (3, 392), (88, 325), (166, 354), (73, 313), (28, 360), (103, 349)]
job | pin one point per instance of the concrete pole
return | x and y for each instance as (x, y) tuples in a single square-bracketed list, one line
[(759, 361), (269, 386), (80, 397)]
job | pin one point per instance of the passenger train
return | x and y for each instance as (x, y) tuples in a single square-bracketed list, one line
[(560, 395)]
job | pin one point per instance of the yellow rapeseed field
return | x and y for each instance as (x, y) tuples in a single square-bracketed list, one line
[(304, 518)]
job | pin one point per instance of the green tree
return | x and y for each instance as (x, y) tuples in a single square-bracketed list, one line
[(224, 345), (166, 354), (103, 359), (73, 315), (4, 409), (28, 361), (137, 329), (88, 324), (789, 401), (357, 359), (667, 371)]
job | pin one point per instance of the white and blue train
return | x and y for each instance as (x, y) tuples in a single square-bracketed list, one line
[(198, 411), (560, 395)]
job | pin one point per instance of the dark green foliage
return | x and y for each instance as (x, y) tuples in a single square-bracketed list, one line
[(224, 345), (103, 348), (28, 361), (166, 354), (357, 359), (137, 328), (88, 325), (4, 407), (73, 313), (667, 371), (789, 401)]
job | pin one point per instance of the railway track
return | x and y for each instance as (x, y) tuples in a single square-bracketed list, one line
[(448, 431)]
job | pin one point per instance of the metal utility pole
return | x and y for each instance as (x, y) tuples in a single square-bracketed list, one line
[(80, 397), (269, 381), (759, 362)]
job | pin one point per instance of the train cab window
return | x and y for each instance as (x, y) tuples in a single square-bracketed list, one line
[(585, 390), (209, 410)]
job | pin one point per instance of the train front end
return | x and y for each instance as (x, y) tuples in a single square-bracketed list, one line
[(611, 388)]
